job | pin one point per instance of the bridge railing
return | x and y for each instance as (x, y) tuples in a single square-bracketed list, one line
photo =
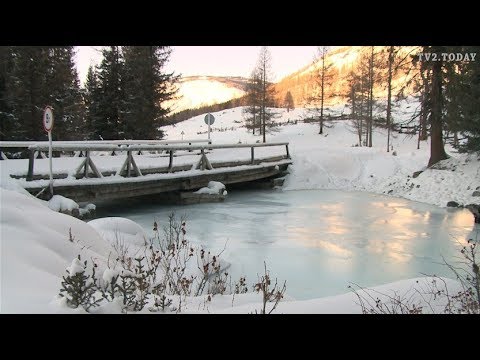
[(26, 144), (130, 163)]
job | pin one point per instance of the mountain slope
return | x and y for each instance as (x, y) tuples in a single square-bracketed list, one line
[(343, 59), (195, 91)]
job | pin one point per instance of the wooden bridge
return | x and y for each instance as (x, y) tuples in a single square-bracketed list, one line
[(149, 168)]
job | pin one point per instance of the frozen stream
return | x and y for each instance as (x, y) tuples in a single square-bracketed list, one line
[(317, 240)]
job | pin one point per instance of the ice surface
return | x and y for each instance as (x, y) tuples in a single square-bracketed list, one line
[(319, 240)]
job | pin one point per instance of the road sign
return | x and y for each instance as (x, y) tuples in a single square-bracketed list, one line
[(48, 119), (48, 126), (209, 119)]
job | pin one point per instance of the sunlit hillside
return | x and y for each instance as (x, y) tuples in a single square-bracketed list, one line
[(343, 59), (195, 91)]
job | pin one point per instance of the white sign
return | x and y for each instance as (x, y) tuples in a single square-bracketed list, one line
[(48, 119)]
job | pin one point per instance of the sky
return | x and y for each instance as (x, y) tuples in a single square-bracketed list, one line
[(216, 60)]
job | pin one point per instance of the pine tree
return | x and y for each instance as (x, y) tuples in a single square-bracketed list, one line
[(462, 98), (147, 89), (92, 100), (435, 103), (63, 93), (111, 123), (7, 123), (27, 91)]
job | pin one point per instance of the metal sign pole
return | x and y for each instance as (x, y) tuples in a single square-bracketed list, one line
[(50, 160), (48, 126), (209, 120)]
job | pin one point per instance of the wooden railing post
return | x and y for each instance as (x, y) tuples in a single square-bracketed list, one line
[(129, 162), (87, 160), (253, 154), (31, 159), (170, 161), (288, 153)]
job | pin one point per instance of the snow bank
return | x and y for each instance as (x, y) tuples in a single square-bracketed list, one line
[(36, 249), (213, 188), (114, 229), (411, 291)]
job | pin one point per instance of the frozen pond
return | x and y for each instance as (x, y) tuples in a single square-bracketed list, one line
[(317, 240)]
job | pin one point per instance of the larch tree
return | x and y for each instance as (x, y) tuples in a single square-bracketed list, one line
[(322, 78), (267, 89), (288, 102), (251, 112)]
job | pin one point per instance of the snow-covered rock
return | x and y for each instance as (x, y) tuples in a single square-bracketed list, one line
[(115, 229), (213, 188)]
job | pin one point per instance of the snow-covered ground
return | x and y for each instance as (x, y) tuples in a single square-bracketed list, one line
[(331, 160), (38, 244)]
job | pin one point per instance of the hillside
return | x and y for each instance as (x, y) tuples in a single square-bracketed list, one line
[(195, 91), (343, 59)]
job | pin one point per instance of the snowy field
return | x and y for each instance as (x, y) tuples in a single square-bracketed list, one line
[(36, 247)]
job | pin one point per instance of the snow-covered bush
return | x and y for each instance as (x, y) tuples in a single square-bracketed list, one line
[(159, 275), (78, 288)]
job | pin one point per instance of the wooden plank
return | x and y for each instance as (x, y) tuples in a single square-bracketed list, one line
[(170, 161), (131, 189), (76, 147)]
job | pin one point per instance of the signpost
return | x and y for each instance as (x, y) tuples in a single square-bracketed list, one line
[(209, 120), (48, 126)]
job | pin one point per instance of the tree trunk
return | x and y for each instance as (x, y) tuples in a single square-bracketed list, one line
[(264, 100), (322, 94), (437, 150), (389, 96), (424, 108), (370, 103)]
